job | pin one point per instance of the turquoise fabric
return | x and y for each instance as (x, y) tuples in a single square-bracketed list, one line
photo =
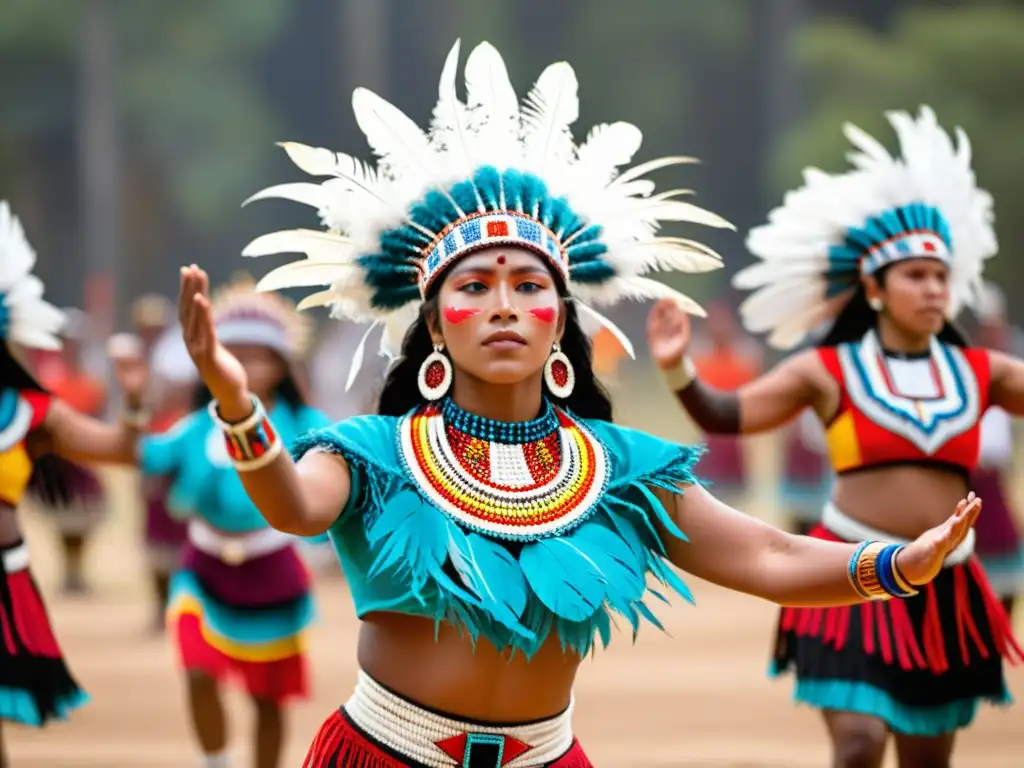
[(394, 545), (19, 706), (204, 482)]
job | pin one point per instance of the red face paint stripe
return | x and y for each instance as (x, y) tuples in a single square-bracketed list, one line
[(544, 314), (456, 315)]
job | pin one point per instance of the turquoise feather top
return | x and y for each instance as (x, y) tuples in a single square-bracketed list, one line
[(204, 482), (402, 552)]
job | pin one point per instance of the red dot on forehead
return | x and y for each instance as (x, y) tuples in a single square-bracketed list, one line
[(501, 259)]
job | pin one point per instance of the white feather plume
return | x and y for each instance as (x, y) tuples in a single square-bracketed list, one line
[(357, 202), (31, 321), (790, 296)]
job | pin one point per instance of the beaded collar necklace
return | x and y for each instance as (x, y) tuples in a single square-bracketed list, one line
[(512, 480)]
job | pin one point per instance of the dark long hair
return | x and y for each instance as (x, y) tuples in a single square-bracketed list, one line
[(401, 392), (858, 317), (50, 479)]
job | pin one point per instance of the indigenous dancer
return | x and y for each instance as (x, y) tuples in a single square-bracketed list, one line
[(35, 685), (999, 541), (85, 506), (491, 517), (891, 251), (170, 398), (240, 605)]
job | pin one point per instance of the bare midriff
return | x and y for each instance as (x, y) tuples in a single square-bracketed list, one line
[(446, 673), (10, 532), (904, 500)]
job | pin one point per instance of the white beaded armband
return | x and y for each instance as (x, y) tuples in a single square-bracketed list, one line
[(252, 443), (680, 376)]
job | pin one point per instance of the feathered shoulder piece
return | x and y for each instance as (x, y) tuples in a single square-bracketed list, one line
[(244, 315), (835, 228), (489, 170), (25, 318)]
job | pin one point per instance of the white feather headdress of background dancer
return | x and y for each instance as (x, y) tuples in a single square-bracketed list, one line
[(488, 171), (835, 228), (25, 317)]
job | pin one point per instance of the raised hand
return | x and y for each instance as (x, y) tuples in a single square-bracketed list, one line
[(223, 375), (921, 560), (668, 334)]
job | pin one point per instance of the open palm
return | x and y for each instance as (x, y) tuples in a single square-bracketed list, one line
[(223, 375), (921, 560), (668, 334)]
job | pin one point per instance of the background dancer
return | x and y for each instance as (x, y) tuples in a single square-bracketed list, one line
[(240, 603), (170, 396), (491, 518), (76, 515), (35, 684), (999, 541), (891, 250)]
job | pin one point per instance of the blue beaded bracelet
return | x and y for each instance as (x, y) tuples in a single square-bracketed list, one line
[(891, 579)]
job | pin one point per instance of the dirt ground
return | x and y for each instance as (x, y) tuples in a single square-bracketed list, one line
[(695, 697)]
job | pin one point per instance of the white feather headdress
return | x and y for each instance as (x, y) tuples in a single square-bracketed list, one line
[(25, 317), (835, 228), (488, 171)]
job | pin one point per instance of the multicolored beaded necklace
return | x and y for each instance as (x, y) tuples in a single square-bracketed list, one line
[(511, 480)]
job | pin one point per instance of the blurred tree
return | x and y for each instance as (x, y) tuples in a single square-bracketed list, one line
[(966, 62), (195, 126)]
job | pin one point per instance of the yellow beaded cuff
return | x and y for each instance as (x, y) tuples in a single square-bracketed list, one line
[(863, 571)]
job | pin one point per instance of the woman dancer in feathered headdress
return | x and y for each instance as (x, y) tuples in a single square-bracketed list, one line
[(491, 518), (35, 685), (890, 250)]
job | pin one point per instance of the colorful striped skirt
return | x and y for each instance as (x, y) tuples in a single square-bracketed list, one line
[(35, 685), (377, 728), (922, 664), (245, 620)]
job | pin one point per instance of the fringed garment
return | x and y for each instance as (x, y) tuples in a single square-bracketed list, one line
[(514, 533), (35, 685), (922, 664)]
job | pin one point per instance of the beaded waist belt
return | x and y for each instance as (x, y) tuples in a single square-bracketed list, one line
[(846, 527), (237, 549), (442, 742)]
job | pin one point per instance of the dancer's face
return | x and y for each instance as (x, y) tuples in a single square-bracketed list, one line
[(499, 313), (264, 367), (915, 293)]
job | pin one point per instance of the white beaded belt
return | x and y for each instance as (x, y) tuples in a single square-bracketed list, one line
[(441, 742), (16, 559), (845, 527), (237, 549)]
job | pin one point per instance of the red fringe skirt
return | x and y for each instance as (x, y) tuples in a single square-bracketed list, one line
[(35, 685), (921, 664), (340, 743)]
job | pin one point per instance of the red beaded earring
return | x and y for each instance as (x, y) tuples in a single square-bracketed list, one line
[(435, 376), (559, 374)]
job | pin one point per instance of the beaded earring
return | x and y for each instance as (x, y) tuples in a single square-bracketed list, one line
[(435, 375), (558, 373)]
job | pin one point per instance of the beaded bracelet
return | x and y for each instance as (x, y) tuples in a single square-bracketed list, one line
[(873, 572), (251, 443), (680, 376)]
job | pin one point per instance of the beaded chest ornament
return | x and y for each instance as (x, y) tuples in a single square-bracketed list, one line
[(515, 481)]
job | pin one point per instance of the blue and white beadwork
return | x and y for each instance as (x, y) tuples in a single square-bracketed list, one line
[(483, 230)]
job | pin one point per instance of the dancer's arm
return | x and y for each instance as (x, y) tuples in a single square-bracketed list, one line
[(303, 498), (79, 437), (739, 552), (1007, 387), (758, 406)]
